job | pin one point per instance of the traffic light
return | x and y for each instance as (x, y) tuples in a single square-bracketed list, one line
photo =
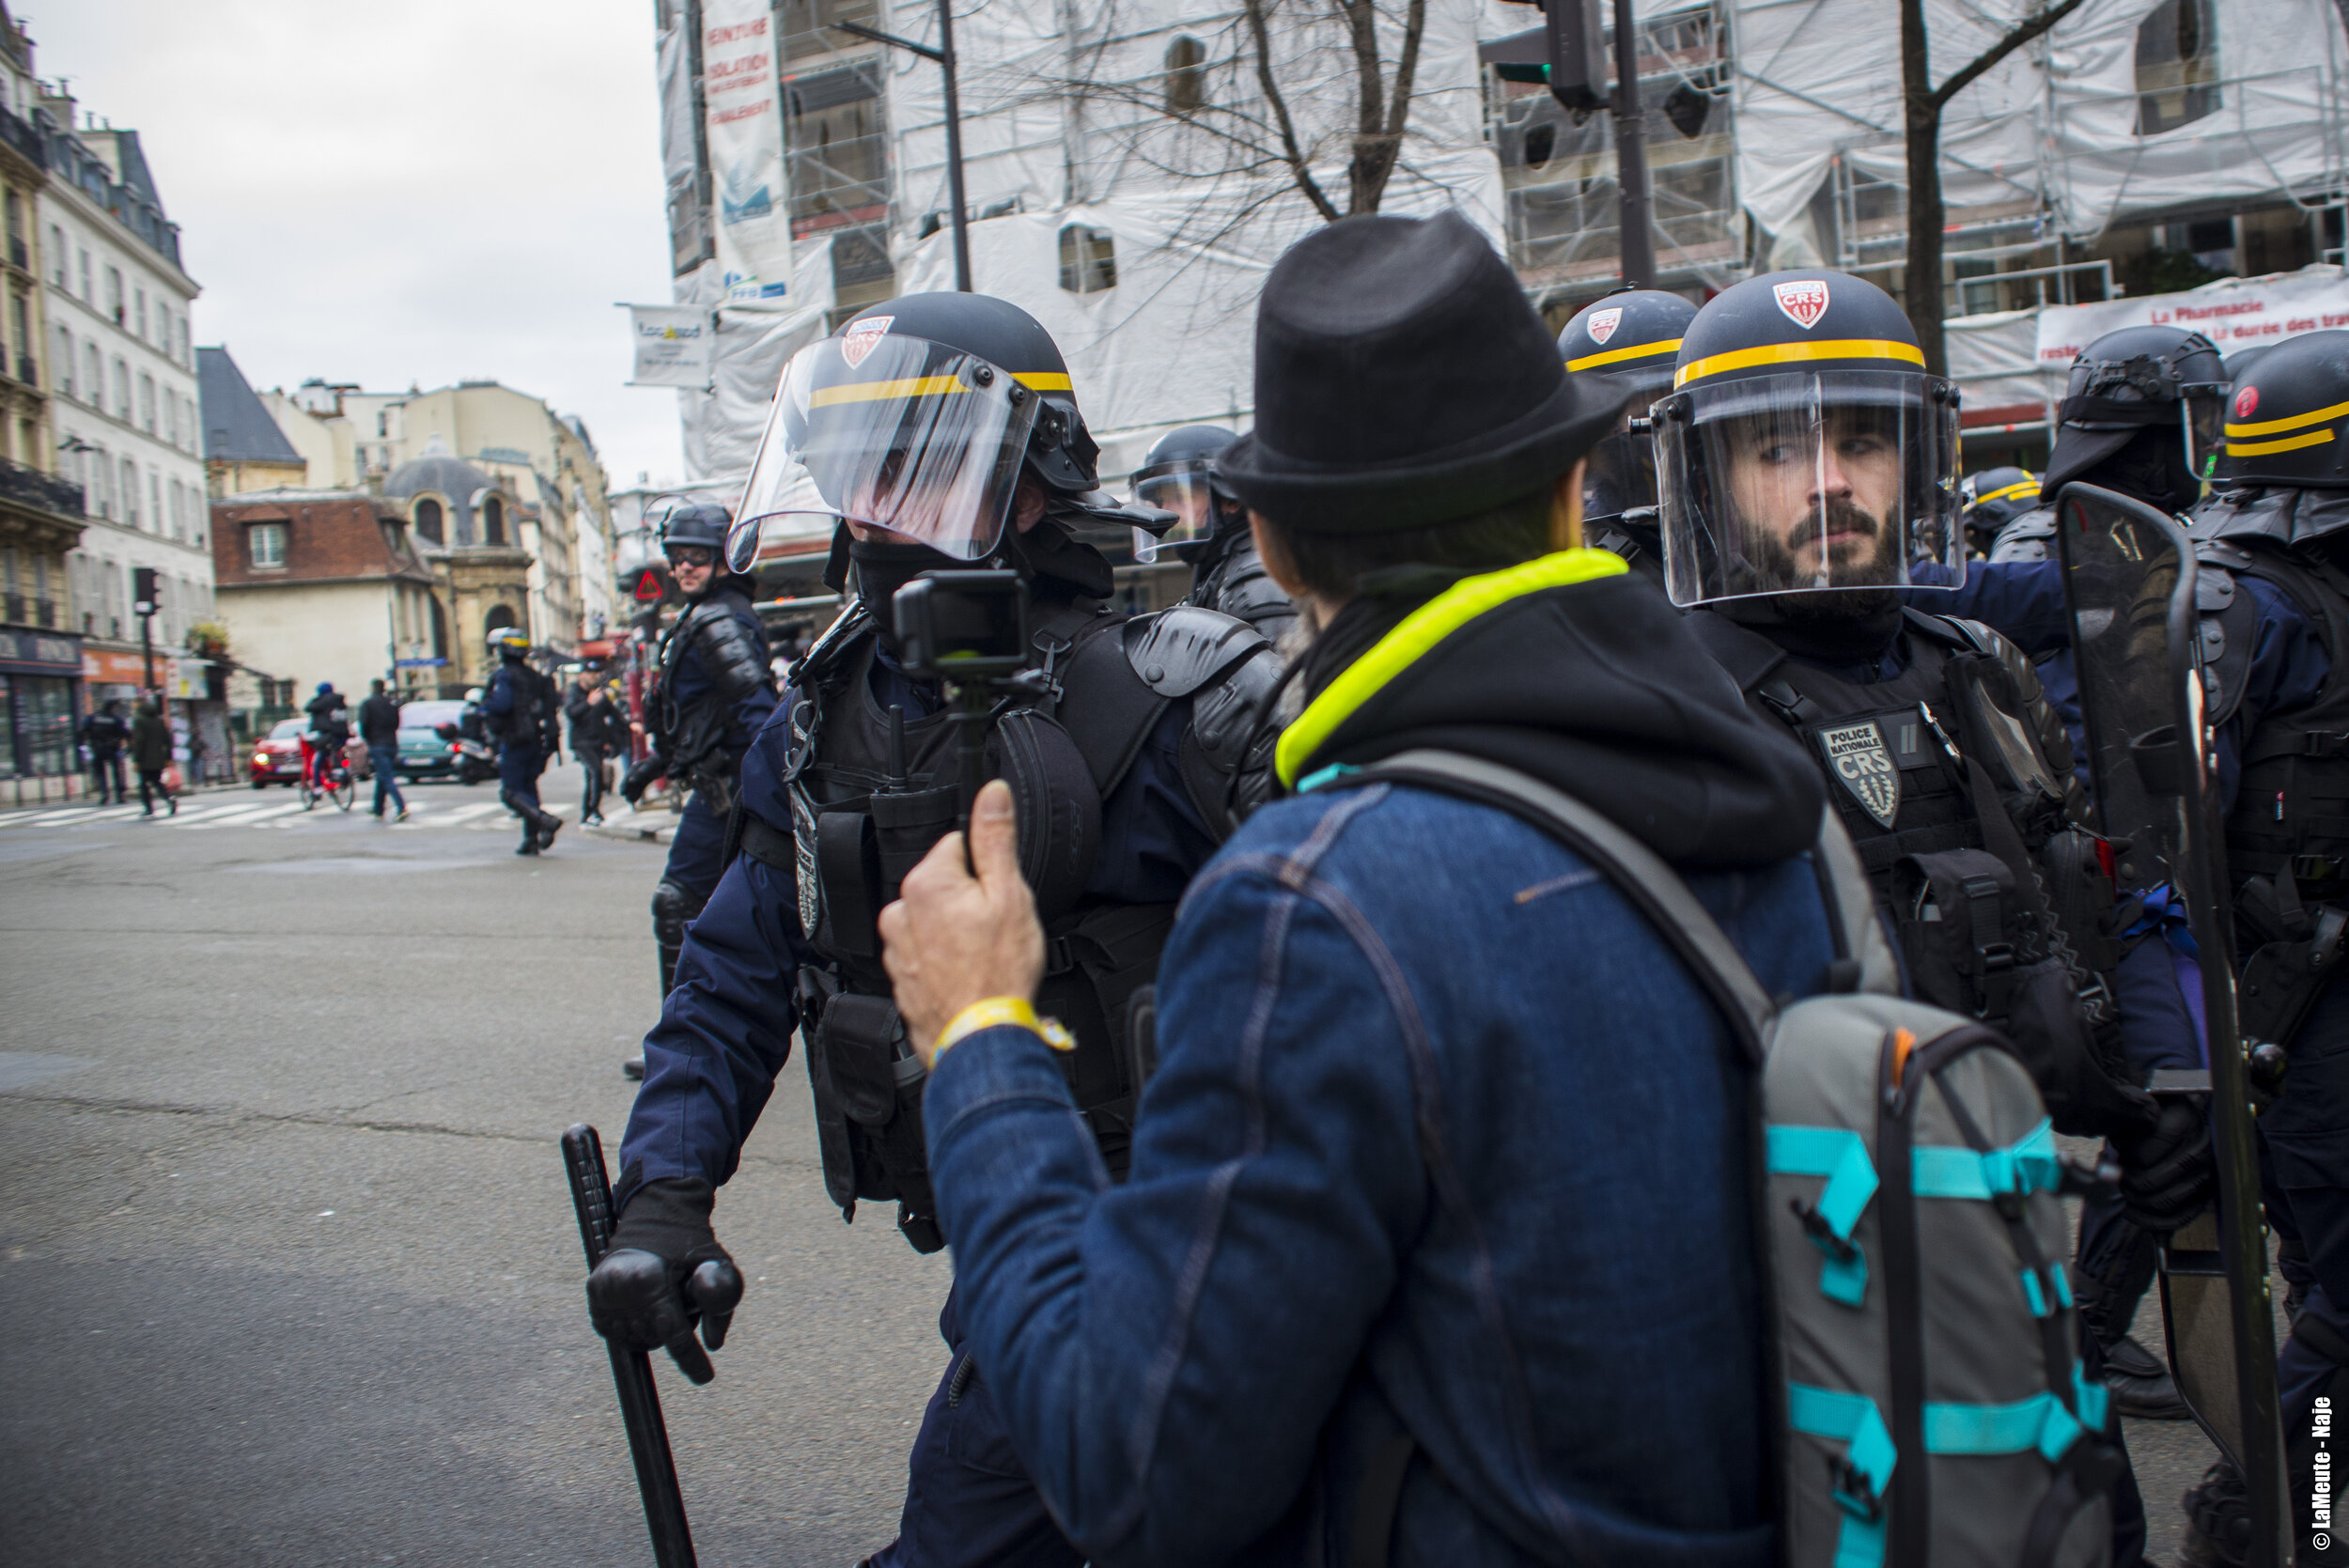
[(143, 590), (1576, 68)]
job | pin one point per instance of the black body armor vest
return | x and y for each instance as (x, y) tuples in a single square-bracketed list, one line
[(2291, 803), (1235, 583), (871, 792)]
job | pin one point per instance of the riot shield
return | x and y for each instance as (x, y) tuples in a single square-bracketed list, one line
[(2130, 573)]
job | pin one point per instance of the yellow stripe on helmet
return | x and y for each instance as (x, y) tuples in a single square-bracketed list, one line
[(1043, 380), (1796, 353), (1616, 356), (2299, 421), (873, 392), (2028, 486), (2290, 443)]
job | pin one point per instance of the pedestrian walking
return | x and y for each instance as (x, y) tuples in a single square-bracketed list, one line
[(598, 730), (151, 753), (379, 728), (105, 734)]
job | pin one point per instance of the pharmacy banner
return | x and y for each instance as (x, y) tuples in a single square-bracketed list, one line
[(2233, 313), (739, 86), (673, 346)]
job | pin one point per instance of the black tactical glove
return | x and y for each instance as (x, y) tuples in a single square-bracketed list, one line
[(663, 1272), (640, 777), (2169, 1173)]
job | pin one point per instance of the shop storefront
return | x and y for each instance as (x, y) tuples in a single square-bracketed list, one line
[(192, 689), (40, 677)]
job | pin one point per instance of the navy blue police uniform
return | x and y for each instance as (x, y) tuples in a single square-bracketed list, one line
[(519, 710)]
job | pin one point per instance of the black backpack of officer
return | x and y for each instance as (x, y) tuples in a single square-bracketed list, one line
[(1806, 463), (1210, 531), (714, 690), (1627, 341)]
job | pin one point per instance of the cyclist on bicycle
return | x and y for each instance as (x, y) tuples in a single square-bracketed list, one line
[(329, 734)]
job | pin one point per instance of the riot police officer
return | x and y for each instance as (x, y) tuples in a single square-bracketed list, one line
[(2273, 547), (714, 692), (521, 714), (1807, 470), (939, 432), (1990, 499), (1211, 530), (1626, 341)]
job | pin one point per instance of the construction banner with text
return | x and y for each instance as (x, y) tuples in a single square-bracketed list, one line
[(2233, 313), (738, 83)]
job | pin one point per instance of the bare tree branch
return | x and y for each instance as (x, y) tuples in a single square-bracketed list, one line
[(1298, 169), (2021, 34)]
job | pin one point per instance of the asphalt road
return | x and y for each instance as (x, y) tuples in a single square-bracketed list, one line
[(286, 1267)]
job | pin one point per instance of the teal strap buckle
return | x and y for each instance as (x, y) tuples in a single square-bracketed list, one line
[(1840, 1155), (2039, 1422), (1858, 1481), (1321, 776), (2028, 1164)]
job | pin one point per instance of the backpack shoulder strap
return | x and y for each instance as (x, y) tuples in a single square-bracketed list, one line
[(1654, 888)]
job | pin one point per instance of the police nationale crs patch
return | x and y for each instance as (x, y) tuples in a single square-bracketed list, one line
[(1602, 323), (861, 338), (2245, 401), (1804, 301)]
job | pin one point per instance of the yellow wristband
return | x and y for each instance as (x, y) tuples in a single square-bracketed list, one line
[(996, 1012)]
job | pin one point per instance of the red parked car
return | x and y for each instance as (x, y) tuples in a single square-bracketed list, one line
[(277, 755)]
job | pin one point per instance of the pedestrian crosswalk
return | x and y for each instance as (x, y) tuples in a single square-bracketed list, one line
[(278, 813)]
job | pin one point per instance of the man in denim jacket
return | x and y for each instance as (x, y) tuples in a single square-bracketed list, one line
[(1436, 1243)]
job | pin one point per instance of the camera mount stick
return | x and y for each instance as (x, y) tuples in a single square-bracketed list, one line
[(970, 698)]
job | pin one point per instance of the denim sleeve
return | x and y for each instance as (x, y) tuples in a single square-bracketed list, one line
[(1164, 1351), (725, 1032), (2021, 600)]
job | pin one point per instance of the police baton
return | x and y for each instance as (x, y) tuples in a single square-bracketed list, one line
[(632, 1370)]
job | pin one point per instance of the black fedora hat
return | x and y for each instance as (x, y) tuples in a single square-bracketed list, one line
[(1403, 380)]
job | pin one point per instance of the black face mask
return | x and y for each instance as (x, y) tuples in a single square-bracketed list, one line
[(881, 569)]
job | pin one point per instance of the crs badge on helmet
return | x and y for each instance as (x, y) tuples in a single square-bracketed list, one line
[(1804, 447)]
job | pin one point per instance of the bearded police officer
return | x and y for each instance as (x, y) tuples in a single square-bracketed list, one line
[(2273, 547), (1808, 467), (714, 692), (1625, 344), (1209, 531), (520, 713), (940, 433)]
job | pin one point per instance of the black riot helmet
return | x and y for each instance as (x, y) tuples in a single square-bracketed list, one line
[(1627, 342), (919, 419), (1803, 446), (2287, 421), (1177, 478), (2141, 379), (1990, 499)]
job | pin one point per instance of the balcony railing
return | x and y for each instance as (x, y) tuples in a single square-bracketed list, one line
[(25, 136), (31, 488)]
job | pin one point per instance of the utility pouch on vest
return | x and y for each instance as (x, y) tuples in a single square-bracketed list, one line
[(905, 828), (1095, 963), (847, 868), (2296, 950), (2081, 893), (868, 1085), (1962, 930)]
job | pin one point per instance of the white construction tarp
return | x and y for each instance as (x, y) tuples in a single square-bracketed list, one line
[(2057, 120), (745, 136)]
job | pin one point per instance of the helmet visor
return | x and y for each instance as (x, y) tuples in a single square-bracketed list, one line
[(1809, 480), (2204, 408), (1181, 486), (910, 436), (1621, 475)]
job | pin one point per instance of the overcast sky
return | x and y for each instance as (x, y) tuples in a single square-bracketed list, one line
[(405, 193)]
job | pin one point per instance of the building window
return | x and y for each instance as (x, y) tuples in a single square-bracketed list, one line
[(61, 357), (2177, 66), (88, 297), (266, 541), (146, 401), (155, 504), (493, 522), (1186, 75), (130, 492), (93, 378), (122, 389), (498, 618), (141, 295), (428, 519), (114, 295), (1088, 259), (56, 256)]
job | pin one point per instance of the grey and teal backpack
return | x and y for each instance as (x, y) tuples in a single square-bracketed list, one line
[(1931, 1407)]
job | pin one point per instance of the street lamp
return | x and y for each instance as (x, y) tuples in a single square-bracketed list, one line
[(945, 56), (143, 604)]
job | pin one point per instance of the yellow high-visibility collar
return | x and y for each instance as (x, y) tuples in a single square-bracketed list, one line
[(1421, 630)]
